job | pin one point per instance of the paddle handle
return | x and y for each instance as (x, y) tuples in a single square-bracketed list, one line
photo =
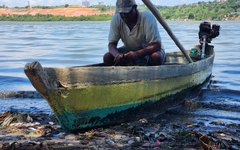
[(155, 12)]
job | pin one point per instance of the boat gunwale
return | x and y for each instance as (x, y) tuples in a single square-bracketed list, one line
[(119, 74), (81, 76)]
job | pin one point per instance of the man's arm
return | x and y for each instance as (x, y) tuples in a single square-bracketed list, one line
[(112, 48), (151, 48)]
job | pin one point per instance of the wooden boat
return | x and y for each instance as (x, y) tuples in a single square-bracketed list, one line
[(96, 95)]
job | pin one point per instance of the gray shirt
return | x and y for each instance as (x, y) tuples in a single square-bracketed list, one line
[(142, 34)]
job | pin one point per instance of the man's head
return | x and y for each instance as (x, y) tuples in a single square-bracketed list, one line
[(124, 6)]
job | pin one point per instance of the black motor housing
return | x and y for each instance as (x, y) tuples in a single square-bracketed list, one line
[(208, 32)]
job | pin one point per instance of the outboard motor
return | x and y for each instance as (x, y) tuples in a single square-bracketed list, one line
[(206, 34)]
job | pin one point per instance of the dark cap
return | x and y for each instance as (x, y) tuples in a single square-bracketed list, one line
[(124, 6)]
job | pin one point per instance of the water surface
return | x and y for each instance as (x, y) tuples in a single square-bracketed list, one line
[(58, 44)]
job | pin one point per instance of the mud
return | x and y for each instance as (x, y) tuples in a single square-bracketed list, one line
[(23, 131), (208, 121)]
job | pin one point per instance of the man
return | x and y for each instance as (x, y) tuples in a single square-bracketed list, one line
[(139, 34)]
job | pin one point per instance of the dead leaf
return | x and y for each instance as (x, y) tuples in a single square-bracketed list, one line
[(207, 144)]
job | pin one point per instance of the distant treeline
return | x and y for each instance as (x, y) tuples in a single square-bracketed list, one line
[(103, 8), (199, 11), (203, 10), (40, 17)]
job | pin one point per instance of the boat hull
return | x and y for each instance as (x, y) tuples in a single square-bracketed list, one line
[(108, 98), (88, 107)]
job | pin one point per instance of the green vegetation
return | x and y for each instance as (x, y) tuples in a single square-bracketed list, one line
[(104, 8), (229, 9), (203, 11), (40, 17)]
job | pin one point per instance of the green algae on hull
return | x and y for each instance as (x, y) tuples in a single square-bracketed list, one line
[(87, 107), (90, 96)]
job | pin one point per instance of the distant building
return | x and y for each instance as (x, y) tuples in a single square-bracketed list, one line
[(29, 4), (75, 6), (100, 3), (86, 3), (221, 1)]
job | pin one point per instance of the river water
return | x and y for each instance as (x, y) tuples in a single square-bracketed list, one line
[(58, 44)]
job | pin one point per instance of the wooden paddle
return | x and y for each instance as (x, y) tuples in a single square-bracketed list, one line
[(155, 12)]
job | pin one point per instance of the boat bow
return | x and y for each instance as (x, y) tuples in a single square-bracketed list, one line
[(39, 78)]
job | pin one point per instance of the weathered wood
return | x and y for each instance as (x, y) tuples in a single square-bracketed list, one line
[(96, 95), (39, 79), (94, 75)]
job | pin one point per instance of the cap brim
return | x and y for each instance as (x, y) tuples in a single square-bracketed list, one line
[(124, 10)]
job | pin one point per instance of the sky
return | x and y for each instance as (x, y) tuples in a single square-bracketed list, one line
[(23, 3)]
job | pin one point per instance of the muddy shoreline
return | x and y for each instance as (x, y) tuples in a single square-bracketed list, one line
[(23, 131), (181, 127)]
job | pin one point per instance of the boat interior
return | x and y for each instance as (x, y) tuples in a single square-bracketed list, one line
[(177, 58)]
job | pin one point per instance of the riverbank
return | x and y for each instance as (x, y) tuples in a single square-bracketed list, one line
[(72, 14), (21, 130), (59, 11), (55, 14)]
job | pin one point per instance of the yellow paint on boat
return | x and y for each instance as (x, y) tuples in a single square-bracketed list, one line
[(104, 96)]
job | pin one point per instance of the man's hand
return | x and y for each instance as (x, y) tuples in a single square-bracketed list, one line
[(131, 55), (118, 58)]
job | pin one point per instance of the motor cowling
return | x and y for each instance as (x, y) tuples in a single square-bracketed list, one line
[(207, 32)]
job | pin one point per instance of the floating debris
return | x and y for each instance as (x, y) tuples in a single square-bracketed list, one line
[(42, 131), (143, 121), (151, 144), (20, 94), (207, 144), (217, 122)]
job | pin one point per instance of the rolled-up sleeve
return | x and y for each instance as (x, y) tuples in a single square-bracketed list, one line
[(114, 33)]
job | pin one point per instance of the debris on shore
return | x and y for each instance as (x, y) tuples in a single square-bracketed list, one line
[(41, 131), (20, 94)]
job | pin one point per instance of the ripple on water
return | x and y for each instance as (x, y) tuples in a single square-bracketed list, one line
[(30, 105), (214, 104)]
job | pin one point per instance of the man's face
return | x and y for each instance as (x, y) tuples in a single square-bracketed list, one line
[(130, 16)]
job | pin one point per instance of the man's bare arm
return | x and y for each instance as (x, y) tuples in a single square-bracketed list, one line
[(151, 48), (112, 47)]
